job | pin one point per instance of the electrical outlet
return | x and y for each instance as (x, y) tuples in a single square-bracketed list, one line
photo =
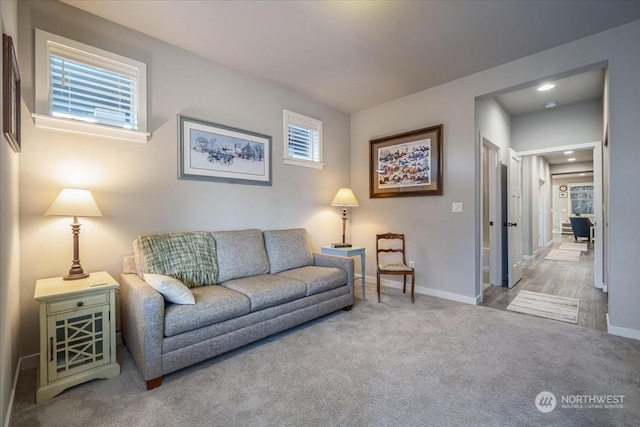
[(411, 264), (456, 207)]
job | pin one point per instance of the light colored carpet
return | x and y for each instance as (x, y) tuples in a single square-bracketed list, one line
[(432, 363), (547, 306), (562, 255), (574, 247)]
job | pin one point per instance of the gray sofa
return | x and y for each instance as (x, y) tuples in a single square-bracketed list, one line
[(268, 282)]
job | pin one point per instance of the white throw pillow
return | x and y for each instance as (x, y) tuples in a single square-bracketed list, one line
[(171, 289)]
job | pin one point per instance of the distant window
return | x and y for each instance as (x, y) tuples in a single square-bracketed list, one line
[(581, 199), (303, 140), (84, 89)]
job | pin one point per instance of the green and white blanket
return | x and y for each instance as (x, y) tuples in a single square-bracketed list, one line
[(189, 256)]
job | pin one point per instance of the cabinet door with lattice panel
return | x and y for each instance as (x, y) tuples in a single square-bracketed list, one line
[(78, 341)]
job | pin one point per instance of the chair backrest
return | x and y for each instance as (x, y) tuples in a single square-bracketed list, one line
[(580, 226), (390, 248)]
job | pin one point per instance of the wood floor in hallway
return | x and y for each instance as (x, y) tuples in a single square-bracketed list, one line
[(562, 278)]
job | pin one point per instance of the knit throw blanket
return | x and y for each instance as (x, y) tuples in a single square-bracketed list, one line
[(189, 257)]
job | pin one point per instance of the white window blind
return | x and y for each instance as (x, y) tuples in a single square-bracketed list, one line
[(85, 92), (303, 140), (303, 143), (84, 89)]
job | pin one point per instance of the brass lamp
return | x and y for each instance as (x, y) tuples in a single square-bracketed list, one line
[(75, 202), (344, 198)]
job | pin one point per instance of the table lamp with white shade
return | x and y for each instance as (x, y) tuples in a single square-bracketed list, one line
[(344, 198), (75, 202)]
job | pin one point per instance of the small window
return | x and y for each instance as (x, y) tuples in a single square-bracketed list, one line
[(581, 199), (80, 88), (303, 140)]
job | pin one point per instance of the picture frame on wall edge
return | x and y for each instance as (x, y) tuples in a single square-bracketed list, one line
[(10, 94)]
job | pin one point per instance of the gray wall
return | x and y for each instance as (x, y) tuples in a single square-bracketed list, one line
[(9, 241), (577, 123), (135, 184), (445, 243)]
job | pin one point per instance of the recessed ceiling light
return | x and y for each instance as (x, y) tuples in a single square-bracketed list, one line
[(551, 104), (568, 152), (572, 159), (582, 174), (545, 87)]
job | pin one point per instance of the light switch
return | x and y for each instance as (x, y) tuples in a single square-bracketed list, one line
[(456, 207)]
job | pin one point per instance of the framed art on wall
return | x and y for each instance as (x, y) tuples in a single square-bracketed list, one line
[(406, 164), (214, 152), (10, 94)]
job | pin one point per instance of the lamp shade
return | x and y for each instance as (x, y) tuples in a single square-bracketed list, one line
[(345, 197), (74, 202)]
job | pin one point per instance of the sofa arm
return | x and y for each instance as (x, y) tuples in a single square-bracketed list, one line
[(345, 263), (142, 324)]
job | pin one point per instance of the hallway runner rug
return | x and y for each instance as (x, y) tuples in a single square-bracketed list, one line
[(574, 247), (544, 305), (563, 255)]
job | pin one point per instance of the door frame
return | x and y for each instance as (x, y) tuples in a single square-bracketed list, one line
[(495, 251), (599, 272)]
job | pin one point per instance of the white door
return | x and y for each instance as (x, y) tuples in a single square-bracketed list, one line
[(514, 218)]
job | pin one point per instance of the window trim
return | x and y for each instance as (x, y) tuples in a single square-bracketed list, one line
[(43, 119), (311, 123)]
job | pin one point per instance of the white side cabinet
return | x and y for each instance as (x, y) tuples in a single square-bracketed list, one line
[(77, 332)]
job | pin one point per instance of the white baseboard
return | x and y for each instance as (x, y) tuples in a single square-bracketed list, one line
[(622, 332), (528, 257), (428, 291), (30, 361), (24, 363), (12, 396)]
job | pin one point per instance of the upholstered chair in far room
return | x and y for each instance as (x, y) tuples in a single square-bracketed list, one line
[(391, 259), (581, 227)]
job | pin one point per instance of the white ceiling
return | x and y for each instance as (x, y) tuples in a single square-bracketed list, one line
[(353, 55), (580, 156), (577, 88)]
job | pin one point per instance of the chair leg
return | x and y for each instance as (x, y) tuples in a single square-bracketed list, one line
[(404, 284), (413, 286), (378, 286)]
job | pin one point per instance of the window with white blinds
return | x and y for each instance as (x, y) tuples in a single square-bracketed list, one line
[(84, 89), (303, 140)]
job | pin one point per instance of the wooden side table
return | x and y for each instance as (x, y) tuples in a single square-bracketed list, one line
[(349, 252), (77, 332)]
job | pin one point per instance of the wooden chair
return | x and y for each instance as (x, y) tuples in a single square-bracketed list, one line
[(394, 268)]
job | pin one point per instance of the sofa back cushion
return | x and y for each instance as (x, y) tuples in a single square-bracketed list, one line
[(189, 257), (241, 253), (287, 249)]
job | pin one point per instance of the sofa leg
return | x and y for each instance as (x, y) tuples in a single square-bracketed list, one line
[(348, 308), (154, 383)]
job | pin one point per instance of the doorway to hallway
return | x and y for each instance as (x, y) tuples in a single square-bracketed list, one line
[(561, 278)]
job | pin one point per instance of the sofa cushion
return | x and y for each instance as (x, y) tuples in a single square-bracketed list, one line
[(318, 279), (213, 304), (287, 249), (268, 290), (189, 257), (240, 254)]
